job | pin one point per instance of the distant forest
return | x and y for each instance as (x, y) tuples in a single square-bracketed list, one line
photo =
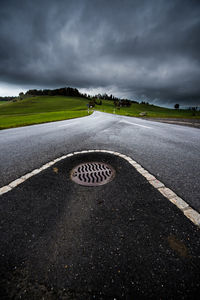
[(68, 91), (7, 98)]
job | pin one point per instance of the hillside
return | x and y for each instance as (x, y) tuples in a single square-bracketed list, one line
[(151, 111), (41, 109)]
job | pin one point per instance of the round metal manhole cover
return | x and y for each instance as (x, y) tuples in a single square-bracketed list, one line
[(92, 173)]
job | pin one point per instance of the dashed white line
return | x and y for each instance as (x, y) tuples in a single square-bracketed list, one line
[(189, 212), (135, 124)]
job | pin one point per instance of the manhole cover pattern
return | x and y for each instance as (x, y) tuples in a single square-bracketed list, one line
[(92, 173)]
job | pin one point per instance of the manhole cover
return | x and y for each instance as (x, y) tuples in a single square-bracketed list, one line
[(92, 173)]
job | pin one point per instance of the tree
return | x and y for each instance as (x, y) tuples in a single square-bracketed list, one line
[(21, 95), (92, 103), (176, 106)]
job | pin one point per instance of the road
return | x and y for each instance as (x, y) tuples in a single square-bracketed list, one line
[(170, 152), (121, 240)]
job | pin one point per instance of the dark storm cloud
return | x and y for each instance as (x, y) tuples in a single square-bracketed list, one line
[(140, 49)]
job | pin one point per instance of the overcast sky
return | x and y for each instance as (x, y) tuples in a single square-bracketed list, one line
[(143, 50)]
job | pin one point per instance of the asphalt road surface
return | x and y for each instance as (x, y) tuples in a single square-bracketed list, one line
[(122, 240), (170, 152)]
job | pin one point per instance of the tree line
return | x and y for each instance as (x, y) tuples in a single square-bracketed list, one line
[(65, 91), (7, 98)]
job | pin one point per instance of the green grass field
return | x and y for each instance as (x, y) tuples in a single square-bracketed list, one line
[(41, 109), (151, 111), (3, 102)]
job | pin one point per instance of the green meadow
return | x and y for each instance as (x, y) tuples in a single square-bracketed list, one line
[(3, 102), (151, 111), (42, 109)]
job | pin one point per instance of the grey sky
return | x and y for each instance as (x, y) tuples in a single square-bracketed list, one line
[(136, 49)]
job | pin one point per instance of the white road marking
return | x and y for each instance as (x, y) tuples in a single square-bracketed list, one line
[(136, 124), (189, 212)]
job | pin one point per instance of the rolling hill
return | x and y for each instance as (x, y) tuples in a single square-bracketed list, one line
[(41, 109)]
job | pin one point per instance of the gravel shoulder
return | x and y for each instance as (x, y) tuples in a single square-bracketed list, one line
[(184, 122)]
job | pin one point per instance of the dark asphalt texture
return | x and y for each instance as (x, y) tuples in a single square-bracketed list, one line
[(169, 152), (122, 240)]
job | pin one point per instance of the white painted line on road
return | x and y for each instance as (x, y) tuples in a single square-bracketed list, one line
[(189, 212), (135, 124)]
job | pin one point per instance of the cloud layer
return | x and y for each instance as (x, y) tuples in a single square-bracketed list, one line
[(138, 49)]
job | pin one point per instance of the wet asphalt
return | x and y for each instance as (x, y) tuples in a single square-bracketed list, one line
[(122, 240), (169, 152)]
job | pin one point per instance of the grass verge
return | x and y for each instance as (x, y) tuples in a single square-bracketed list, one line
[(36, 110), (10, 121)]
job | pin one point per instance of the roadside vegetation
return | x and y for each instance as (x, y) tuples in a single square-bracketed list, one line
[(147, 110), (36, 107), (41, 109)]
